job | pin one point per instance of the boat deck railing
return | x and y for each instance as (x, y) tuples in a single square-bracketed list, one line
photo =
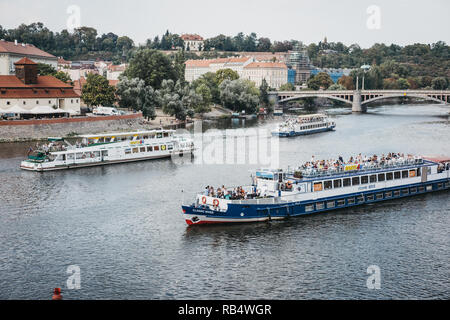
[(366, 167)]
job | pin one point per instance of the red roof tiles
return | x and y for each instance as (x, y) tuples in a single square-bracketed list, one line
[(46, 87), (191, 37), (24, 49), (25, 61)]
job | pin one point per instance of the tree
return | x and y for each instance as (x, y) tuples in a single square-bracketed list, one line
[(336, 87), (179, 65), (263, 92), (239, 95), (48, 70), (134, 94), (347, 82), (226, 74), (210, 80), (97, 91), (439, 83), (287, 87), (322, 80), (403, 84), (151, 66), (178, 99), (205, 106)]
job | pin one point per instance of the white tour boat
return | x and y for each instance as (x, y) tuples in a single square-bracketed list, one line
[(103, 149), (302, 125)]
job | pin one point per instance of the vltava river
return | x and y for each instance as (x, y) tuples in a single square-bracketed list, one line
[(122, 226)]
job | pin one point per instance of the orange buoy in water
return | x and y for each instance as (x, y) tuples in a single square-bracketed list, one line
[(57, 294)]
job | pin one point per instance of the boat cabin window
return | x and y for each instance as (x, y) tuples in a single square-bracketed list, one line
[(355, 181), (397, 175), (159, 135), (104, 153), (145, 137), (135, 150), (346, 182), (170, 147), (381, 177), (373, 178), (142, 149), (389, 176), (318, 186), (79, 156), (149, 149), (364, 179), (127, 151), (337, 183), (328, 184), (96, 154), (70, 156), (405, 174), (156, 148), (166, 134)]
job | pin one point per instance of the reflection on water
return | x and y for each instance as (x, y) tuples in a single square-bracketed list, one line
[(122, 225)]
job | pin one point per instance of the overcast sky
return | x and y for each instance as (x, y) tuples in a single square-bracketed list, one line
[(349, 21)]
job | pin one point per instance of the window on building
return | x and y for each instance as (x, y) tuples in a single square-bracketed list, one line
[(37, 101), (24, 102)]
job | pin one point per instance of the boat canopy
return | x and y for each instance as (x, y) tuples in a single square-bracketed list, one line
[(312, 116), (54, 139), (121, 134)]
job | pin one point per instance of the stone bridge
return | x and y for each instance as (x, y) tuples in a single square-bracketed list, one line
[(360, 98)]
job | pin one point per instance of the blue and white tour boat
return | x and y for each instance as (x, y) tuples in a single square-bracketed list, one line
[(303, 125), (320, 186)]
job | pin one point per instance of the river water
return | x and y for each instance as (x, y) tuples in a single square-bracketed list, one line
[(122, 226)]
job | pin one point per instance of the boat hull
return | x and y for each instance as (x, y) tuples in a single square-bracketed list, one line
[(39, 167), (241, 213), (286, 134)]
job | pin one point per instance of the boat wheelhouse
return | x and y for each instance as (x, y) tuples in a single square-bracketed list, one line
[(303, 125), (278, 194), (102, 149)]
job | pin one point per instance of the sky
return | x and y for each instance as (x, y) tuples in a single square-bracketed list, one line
[(349, 21)]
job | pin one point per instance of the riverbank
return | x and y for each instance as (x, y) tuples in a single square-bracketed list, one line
[(41, 129)]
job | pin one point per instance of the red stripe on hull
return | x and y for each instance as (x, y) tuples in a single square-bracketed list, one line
[(189, 222)]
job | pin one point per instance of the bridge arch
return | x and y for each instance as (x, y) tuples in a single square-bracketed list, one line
[(426, 97), (315, 96)]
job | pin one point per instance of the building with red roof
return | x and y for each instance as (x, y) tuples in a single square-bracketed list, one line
[(192, 42), (28, 92), (11, 52), (275, 73)]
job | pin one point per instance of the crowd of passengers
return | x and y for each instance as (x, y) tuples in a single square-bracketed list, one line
[(293, 121), (339, 164), (234, 194)]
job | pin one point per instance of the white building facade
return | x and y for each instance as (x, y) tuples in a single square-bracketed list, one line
[(275, 73), (193, 42), (11, 52)]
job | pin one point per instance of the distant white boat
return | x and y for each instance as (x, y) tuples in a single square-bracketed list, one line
[(302, 125)]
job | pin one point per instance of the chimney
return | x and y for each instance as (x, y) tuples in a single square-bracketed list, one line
[(15, 42), (26, 71)]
